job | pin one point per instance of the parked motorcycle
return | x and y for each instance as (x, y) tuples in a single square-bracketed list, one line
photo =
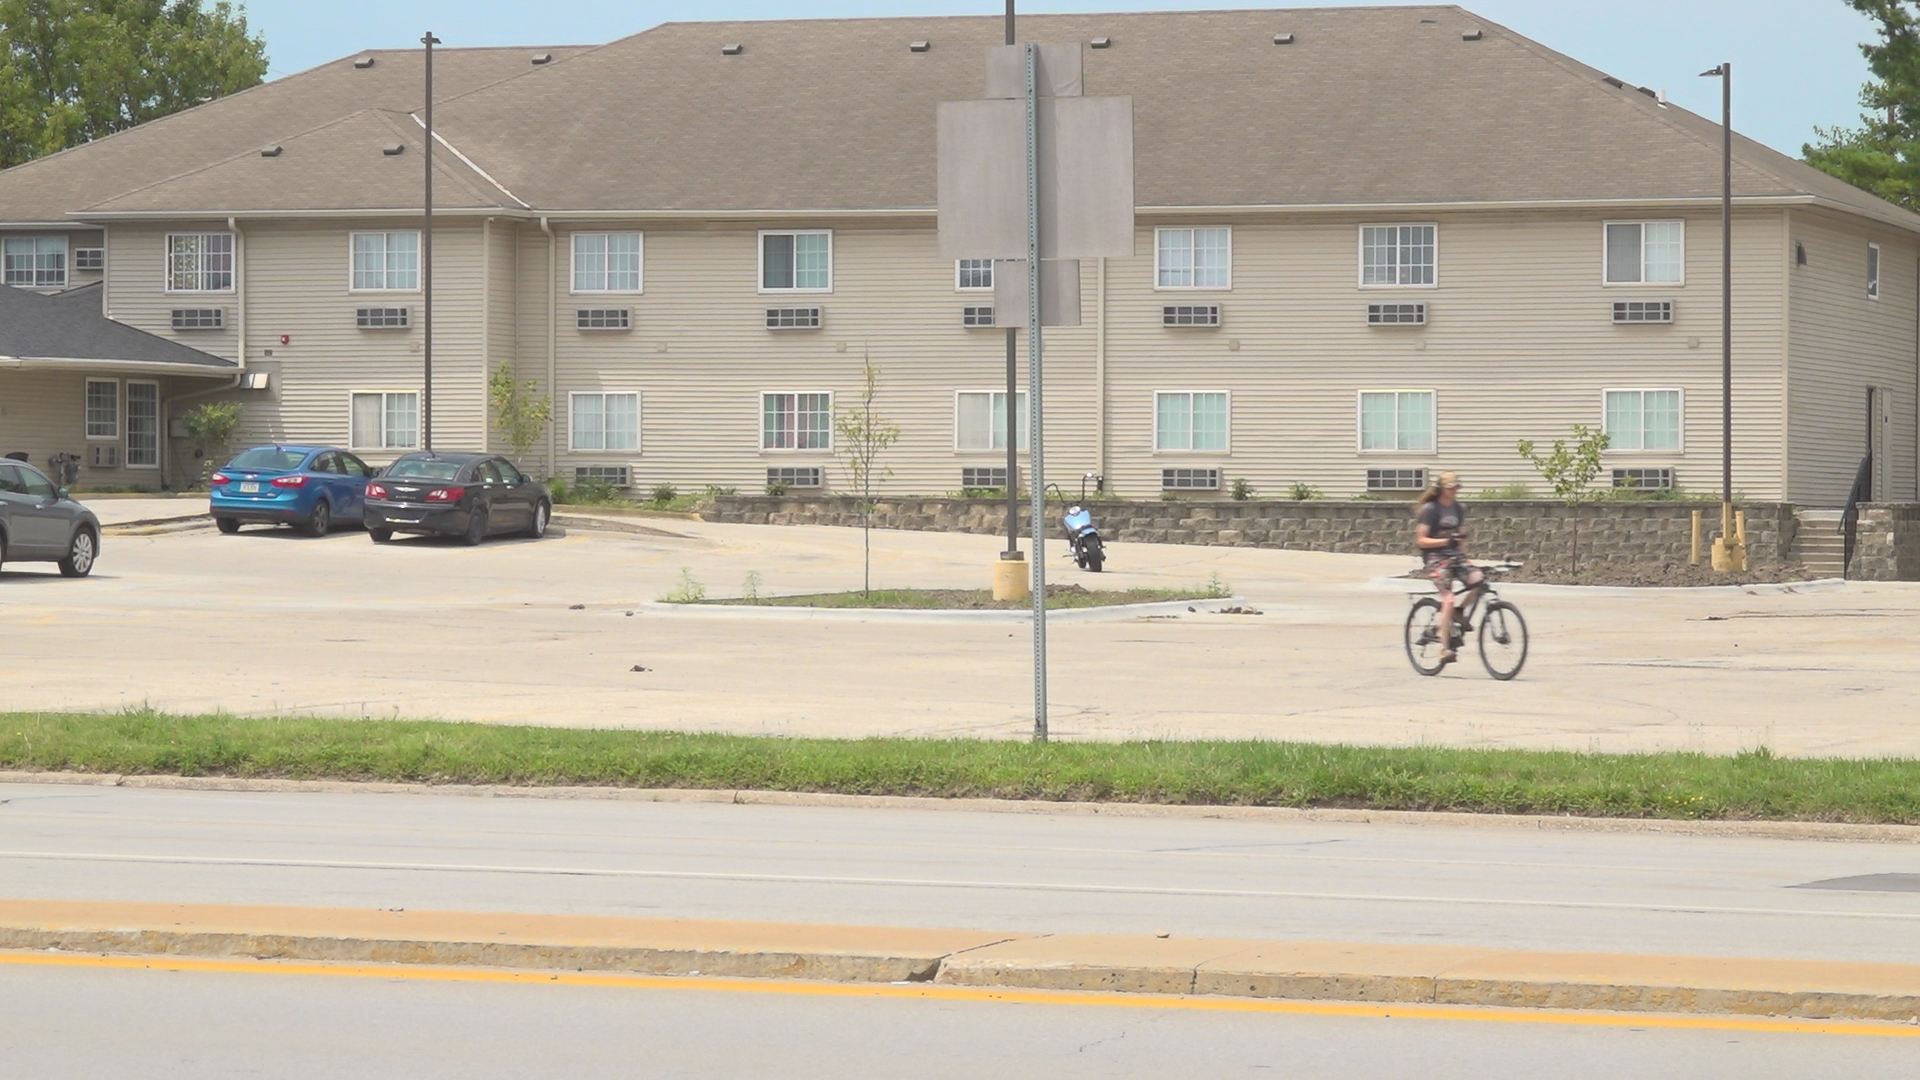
[(1089, 553)]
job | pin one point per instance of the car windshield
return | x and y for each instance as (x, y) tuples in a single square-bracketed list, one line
[(268, 457), (424, 469)]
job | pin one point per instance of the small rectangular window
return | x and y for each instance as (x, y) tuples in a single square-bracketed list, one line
[(1190, 421), (980, 420), (973, 274), (34, 261), (1645, 252), (1873, 271), (143, 425), (796, 261), (1643, 420), (796, 421), (603, 319), (200, 262), (1190, 479), (1396, 479), (982, 478), (1397, 254), (103, 409), (90, 259), (606, 262), (793, 318), (386, 261), (211, 318), (385, 421), (1396, 420), (976, 315), (797, 477), (382, 318), (604, 421), (1193, 258)]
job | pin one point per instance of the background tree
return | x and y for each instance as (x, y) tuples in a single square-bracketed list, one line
[(860, 437), (1882, 155), (520, 411), (1570, 470), (210, 427), (74, 70)]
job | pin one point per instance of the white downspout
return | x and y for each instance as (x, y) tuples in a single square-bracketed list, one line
[(240, 328), (553, 445)]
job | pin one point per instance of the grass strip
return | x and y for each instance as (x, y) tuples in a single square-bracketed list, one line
[(1752, 786), (1059, 598)]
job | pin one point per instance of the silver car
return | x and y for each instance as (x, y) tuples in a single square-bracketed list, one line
[(38, 522)]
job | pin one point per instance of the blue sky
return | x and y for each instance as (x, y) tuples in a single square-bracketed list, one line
[(1796, 62)]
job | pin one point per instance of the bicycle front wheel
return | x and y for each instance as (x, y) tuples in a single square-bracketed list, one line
[(1423, 636), (1503, 640)]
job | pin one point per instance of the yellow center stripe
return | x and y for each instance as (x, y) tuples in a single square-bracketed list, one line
[(929, 991)]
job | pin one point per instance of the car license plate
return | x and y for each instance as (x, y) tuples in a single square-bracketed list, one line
[(249, 487)]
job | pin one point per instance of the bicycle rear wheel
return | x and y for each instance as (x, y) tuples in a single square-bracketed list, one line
[(1503, 640), (1423, 636)]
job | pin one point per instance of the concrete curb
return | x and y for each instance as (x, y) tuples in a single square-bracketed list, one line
[(1830, 831), (1428, 974), (1164, 609), (615, 525), (1422, 587)]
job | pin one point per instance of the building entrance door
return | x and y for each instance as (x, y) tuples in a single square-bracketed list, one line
[(1879, 427)]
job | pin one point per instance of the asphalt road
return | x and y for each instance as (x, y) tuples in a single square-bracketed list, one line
[(155, 1024), (1486, 886)]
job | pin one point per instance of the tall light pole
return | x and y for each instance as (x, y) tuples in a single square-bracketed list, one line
[(1735, 556), (1012, 554), (426, 258)]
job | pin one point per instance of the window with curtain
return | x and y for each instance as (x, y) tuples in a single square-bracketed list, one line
[(1396, 420), (606, 262), (1190, 421), (980, 420), (605, 421), (1643, 420), (386, 261), (1193, 258)]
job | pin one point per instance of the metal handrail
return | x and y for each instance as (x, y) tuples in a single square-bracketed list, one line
[(1850, 517)]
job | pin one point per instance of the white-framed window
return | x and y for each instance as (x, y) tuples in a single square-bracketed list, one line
[(34, 261), (1640, 420), (1646, 252), (385, 420), (1193, 258), (103, 409), (200, 262), (972, 274), (601, 421), (796, 260), (606, 262), (1873, 271), (1399, 254), (1396, 420), (796, 421), (1186, 420), (386, 261), (143, 424), (980, 420)]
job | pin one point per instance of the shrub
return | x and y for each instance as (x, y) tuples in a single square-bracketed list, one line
[(776, 488), (1242, 489), (1515, 490), (662, 494), (1303, 492)]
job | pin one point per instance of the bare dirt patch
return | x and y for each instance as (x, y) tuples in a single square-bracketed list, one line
[(1656, 575)]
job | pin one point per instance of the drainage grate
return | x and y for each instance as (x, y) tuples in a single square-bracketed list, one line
[(1868, 883)]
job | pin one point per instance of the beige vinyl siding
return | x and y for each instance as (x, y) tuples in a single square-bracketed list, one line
[(700, 356), (1843, 343), (502, 322), (44, 413), (137, 287), (1520, 344), (76, 238)]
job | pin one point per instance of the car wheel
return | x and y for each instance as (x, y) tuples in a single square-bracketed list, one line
[(540, 515), (228, 526), (476, 528), (380, 536), (320, 521), (80, 554), (3, 551)]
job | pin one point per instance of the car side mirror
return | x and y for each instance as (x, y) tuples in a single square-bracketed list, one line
[(61, 494)]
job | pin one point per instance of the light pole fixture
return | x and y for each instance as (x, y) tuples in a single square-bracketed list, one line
[(1731, 552), (426, 258)]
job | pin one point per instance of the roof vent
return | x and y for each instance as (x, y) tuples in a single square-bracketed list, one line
[(393, 149), (1283, 39), (919, 46), (732, 50), (1613, 82), (1474, 34), (363, 62), (543, 58), (270, 151), (1649, 91), (1101, 43)]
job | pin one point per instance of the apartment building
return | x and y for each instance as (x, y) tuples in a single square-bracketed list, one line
[(1371, 243)]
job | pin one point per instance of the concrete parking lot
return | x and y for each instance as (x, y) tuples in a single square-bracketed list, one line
[(561, 632)]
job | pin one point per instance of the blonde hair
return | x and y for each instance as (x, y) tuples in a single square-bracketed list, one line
[(1440, 483)]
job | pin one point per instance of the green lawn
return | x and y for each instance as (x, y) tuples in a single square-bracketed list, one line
[(1059, 597), (1692, 786)]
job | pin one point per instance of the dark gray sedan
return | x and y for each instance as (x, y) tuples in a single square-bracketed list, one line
[(38, 522), (471, 496)]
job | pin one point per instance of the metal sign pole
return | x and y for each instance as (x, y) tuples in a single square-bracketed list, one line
[(1035, 436)]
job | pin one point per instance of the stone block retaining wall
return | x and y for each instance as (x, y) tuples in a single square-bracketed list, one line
[(1519, 530), (1887, 543)]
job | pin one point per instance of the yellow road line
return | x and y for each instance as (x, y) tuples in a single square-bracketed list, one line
[(929, 991)]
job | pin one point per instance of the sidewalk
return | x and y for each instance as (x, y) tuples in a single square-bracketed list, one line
[(117, 512), (1297, 970)]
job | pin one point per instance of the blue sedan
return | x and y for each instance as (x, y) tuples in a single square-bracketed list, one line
[(308, 487)]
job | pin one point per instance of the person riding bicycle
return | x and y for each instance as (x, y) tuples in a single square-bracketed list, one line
[(1441, 536)]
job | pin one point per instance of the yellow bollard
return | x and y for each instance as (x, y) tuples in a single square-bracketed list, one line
[(1739, 553), (1694, 552), (1010, 578)]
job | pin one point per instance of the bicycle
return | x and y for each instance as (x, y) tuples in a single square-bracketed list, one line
[(1503, 630)]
